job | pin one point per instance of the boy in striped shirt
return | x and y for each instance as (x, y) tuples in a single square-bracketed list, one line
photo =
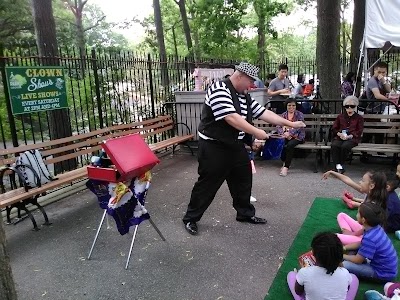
[(376, 257)]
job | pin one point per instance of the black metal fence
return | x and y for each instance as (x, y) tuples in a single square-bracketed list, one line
[(108, 87)]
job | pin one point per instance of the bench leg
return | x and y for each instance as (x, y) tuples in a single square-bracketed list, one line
[(29, 214), (8, 211), (18, 219), (317, 152), (46, 219), (190, 148)]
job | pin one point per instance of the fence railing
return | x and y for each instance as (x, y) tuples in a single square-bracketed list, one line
[(108, 87)]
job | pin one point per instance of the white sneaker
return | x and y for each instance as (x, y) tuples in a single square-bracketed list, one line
[(252, 199), (339, 167)]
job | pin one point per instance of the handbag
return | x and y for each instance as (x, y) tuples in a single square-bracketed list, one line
[(273, 148)]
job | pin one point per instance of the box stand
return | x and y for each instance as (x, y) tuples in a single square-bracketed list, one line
[(133, 237)]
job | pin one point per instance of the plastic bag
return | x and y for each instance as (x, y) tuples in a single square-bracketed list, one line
[(273, 148)]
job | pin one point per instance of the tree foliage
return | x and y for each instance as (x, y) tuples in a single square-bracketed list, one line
[(15, 20)]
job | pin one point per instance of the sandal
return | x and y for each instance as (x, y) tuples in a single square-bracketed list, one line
[(283, 172)]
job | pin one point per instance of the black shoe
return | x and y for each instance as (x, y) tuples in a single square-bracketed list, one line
[(191, 227), (252, 220)]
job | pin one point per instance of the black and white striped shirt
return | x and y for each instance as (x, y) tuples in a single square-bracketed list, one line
[(219, 98)]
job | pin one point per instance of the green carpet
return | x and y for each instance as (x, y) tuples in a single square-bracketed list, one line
[(321, 217)]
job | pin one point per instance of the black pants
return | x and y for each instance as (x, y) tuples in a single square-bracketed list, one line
[(218, 163), (288, 151), (341, 149)]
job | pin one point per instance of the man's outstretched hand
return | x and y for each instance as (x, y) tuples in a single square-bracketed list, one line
[(261, 135), (298, 124)]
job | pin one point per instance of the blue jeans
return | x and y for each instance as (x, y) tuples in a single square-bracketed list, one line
[(360, 270)]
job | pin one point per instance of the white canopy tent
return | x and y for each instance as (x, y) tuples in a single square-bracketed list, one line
[(382, 29), (382, 23)]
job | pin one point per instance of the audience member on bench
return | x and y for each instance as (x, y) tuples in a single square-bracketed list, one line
[(293, 136), (346, 131)]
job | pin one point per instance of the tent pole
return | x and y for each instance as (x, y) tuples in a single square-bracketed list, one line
[(365, 67), (359, 64)]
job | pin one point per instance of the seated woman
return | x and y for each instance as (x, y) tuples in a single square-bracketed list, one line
[(347, 87), (347, 130), (292, 136)]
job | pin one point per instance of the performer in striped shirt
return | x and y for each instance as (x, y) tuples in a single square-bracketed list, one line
[(225, 125)]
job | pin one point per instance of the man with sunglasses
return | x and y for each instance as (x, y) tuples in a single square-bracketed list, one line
[(347, 130)]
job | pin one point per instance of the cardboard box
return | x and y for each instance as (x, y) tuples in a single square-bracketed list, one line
[(130, 156)]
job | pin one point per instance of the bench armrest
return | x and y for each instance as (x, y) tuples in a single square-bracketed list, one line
[(184, 124), (15, 169)]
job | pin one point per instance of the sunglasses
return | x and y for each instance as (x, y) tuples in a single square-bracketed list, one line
[(349, 106)]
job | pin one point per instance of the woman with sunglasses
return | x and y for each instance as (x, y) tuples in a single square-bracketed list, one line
[(347, 130), (293, 136)]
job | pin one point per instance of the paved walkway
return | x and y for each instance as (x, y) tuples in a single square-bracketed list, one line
[(227, 260)]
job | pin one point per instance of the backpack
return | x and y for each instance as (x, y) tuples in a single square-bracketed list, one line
[(32, 167)]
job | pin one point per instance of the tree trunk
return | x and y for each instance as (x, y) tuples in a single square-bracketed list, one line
[(80, 34), (344, 42), (197, 50), (161, 43), (261, 43), (357, 32), (7, 286), (45, 31), (260, 10), (77, 9), (328, 49), (186, 27)]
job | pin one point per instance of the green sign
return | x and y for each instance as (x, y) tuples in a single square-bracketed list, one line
[(34, 89)]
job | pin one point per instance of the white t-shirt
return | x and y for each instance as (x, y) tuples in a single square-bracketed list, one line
[(321, 286)]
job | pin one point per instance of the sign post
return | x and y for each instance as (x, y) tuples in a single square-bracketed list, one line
[(36, 88)]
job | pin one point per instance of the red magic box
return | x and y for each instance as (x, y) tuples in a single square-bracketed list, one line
[(128, 157)]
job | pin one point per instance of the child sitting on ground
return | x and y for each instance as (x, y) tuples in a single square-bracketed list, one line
[(327, 279), (392, 203), (391, 291), (376, 257), (373, 184)]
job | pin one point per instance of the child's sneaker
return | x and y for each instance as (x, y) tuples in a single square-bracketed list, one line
[(348, 195), (348, 202), (252, 199)]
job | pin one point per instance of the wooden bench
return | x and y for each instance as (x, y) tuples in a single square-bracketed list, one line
[(314, 136), (158, 132), (388, 125)]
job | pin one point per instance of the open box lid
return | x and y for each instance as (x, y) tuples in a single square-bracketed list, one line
[(130, 154)]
